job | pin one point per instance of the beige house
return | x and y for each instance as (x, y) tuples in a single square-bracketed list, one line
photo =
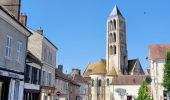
[(156, 61), (84, 89), (105, 72), (13, 47), (45, 51)]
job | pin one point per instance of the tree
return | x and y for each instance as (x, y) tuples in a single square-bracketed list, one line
[(166, 72), (143, 92)]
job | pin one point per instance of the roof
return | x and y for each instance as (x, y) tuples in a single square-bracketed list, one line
[(33, 58), (115, 11), (61, 75), (112, 72), (16, 21), (131, 64), (158, 51), (100, 67), (79, 79), (128, 80), (88, 70)]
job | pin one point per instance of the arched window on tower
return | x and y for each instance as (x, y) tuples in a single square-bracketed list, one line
[(114, 48), (110, 26), (111, 50), (114, 37), (114, 23), (107, 82), (99, 83), (111, 38), (92, 83)]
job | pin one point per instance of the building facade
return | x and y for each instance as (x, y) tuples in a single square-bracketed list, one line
[(44, 50), (62, 83), (156, 61), (32, 77), (84, 89), (13, 47)]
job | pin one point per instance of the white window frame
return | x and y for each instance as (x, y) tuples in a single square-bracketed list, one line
[(8, 46), (49, 78), (19, 51)]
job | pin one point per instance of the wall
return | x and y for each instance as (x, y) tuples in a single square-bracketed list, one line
[(131, 90), (156, 69), (11, 63)]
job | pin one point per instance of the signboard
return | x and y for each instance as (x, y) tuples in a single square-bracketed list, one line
[(11, 74), (58, 93)]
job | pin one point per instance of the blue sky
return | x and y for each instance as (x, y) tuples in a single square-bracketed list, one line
[(78, 27)]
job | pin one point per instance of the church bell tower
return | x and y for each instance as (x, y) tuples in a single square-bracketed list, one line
[(116, 49)]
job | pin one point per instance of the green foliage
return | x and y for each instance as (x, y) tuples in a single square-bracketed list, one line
[(143, 92), (166, 74)]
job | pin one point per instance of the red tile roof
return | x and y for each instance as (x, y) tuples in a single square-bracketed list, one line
[(128, 80), (158, 51)]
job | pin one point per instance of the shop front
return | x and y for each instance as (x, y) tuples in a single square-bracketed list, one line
[(47, 93), (11, 85)]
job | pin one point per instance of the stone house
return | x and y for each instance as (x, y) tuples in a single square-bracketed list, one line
[(62, 83), (156, 61), (45, 51), (84, 89), (32, 77), (13, 47)]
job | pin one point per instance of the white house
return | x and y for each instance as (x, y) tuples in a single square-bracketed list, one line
[(156, 61)]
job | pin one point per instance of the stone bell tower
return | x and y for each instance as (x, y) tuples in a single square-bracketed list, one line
[(13, 7), (116, 49)]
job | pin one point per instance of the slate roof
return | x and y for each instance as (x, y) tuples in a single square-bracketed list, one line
[(115, 11), (158, 51), (128, 80)]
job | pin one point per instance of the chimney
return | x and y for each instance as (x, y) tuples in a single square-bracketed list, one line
[(12, 6), (23, 19), (40, 31), (76, 71), (60, 68)]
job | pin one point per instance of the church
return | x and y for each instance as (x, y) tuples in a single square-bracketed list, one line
[(116, 77)]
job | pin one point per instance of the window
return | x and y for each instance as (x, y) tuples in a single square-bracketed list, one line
[(19, 51), (45, 54), (114, 22), (111, 26), (49, 78), (50, 58), (110, 38), (107, 82), (92, 82), (111, 50), (114, 37), (99, 83), (8, 46), (27, 73), (114, 49), (43, 78)]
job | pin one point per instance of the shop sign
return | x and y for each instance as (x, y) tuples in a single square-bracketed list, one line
[(10, 74)]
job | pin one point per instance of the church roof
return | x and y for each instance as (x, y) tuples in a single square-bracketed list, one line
[(97, 68), (115, 11), (158, 51), (112, 72), (134, 67), (128, 80), (100, 67), (88, 70)]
